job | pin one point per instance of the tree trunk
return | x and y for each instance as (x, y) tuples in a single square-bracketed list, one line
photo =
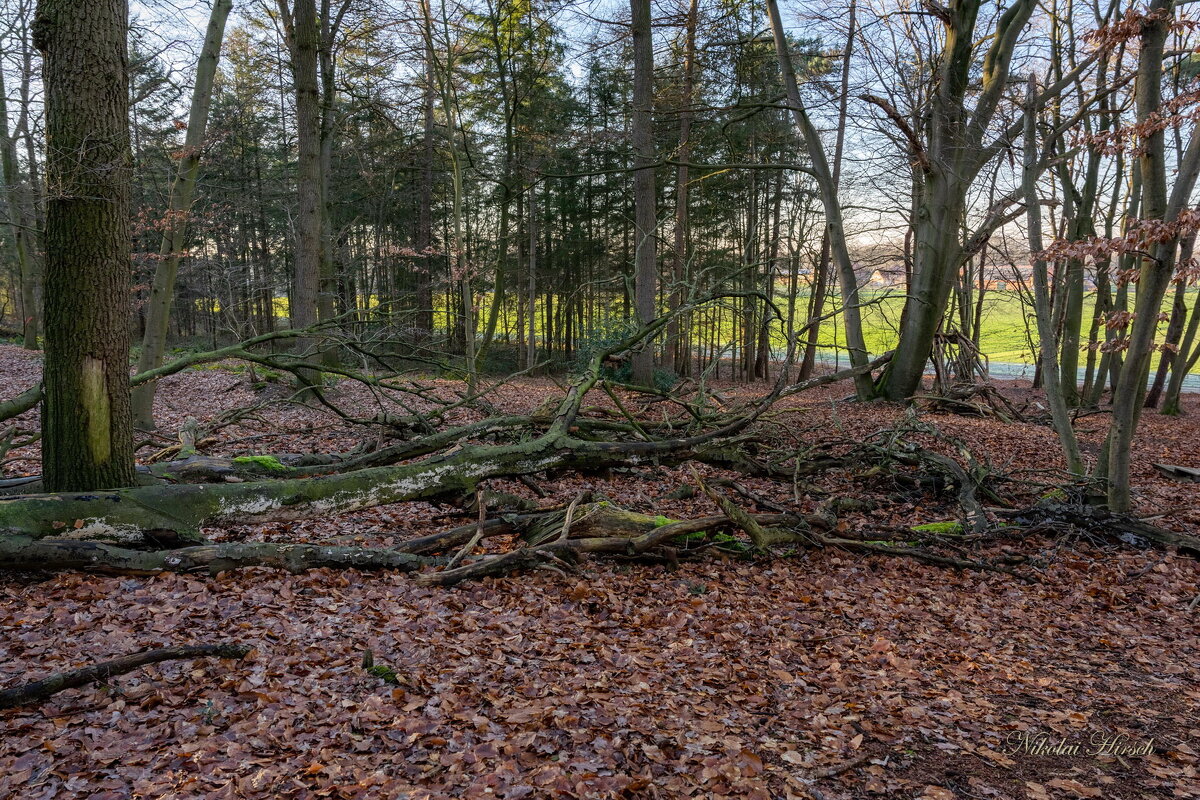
[(40, 690), (531, 298), (1158, 268), (1055, 396), (676, 354), (1175, 329), (423, 264), (1185, 360), (327, 271), (950, 158), (851, 314), (645, 279), (19, 225), (87, 439), (162, 291), (304, 39)]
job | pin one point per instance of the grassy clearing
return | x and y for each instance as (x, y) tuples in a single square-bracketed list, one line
[(1007, 334)]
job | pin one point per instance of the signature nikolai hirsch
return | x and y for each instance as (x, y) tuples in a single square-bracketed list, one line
[(1032, 743)]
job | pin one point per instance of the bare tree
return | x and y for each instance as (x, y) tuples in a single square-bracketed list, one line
[(183, 190)]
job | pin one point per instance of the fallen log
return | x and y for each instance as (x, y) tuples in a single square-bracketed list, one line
[(1099, 521), (174, 514), (19, 552), (1178, 473), (46, 687)]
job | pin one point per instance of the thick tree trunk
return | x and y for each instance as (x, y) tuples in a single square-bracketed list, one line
[(147, 514), (645, 278), (1157, 270), (174, 243), (950, 157), (87, 436)]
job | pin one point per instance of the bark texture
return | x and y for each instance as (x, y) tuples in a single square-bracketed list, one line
[(87, 435), (304, 39), (645, 276)]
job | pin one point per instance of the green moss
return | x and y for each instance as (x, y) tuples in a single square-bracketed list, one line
[(660, 521), (1055, 494), (940, 528), (269, 463), (384, 673)]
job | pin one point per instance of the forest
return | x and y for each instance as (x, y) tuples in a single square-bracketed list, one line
[(599, 399)]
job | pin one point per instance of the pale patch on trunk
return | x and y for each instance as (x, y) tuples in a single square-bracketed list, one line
[(94, 397)]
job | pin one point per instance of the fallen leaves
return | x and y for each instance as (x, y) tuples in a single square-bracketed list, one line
[(1074, 787), (863, 677)]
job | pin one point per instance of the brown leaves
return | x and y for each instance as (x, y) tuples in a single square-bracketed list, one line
[(857, 676), (1074, 788)]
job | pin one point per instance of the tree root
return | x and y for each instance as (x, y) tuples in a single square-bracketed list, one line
[(46, 687)]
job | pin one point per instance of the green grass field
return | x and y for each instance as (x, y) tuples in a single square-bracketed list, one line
[(1005, 336), (1006, 324)]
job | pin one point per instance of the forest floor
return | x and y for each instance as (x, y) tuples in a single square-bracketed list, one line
[(814, 674)]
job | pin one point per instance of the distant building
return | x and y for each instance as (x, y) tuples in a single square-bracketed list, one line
[(1008, 278), (887, 277)]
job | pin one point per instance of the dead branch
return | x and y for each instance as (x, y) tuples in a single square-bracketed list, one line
[(19, 552), (60, 681)]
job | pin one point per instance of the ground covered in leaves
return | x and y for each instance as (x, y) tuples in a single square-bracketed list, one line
[(813, 674)]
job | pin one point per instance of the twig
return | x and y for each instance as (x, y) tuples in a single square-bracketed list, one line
[(838, 769), (479, 529)]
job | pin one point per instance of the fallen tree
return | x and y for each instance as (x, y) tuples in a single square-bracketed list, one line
[(173, 514), (159, 526)]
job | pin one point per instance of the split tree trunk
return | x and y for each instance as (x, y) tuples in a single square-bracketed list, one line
[(950, 157)]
